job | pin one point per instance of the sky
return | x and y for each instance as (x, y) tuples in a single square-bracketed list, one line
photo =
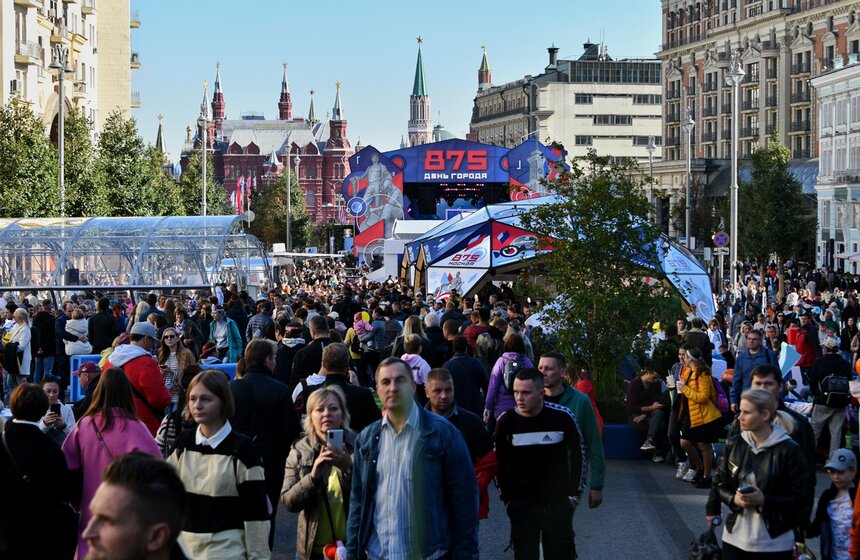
[(370, 47)]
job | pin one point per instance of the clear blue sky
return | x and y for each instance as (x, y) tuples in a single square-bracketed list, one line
[(370, 47)]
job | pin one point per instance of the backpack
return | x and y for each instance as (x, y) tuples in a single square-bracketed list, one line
[(355, 345), (721, 398), (835, 392), (510, 372)]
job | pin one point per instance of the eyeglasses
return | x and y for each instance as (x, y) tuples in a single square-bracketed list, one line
[(168, 337)]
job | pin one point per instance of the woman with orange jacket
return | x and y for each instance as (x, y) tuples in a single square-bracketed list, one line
[(700, 419)]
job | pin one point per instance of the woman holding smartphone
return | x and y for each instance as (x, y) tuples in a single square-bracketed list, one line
[(761, 479), (173, 358), (319, 473), (60, 419)]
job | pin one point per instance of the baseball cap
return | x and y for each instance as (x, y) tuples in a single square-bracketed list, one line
[(334, 315), (144, 328), (87, 367), (842, 459), (218, 308), (831, 342)]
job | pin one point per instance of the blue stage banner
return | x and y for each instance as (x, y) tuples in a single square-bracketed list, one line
[(454, 161)]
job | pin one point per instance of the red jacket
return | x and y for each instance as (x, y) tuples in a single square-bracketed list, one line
[(485, 470), (807, 346), (146, 379)]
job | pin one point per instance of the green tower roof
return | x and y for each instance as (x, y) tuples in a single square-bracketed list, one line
[(419, 87)]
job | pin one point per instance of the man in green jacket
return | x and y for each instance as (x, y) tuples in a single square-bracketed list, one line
[(552, 366)]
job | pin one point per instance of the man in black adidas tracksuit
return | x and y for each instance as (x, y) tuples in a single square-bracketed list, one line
[(542, 464)]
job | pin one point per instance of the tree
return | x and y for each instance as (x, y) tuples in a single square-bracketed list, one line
[(600, 229), (80, 161), (189, 189), (705, 213), (130, 175), (772, 214), (269, 205), (28, 165)]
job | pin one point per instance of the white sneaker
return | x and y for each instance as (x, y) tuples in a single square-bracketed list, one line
[(657, 458), (683, 467), (690, 475)]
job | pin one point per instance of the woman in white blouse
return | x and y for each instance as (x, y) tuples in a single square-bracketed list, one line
[(20, 333), (59, 420)]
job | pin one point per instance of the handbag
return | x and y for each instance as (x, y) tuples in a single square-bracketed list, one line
[(705, 547)]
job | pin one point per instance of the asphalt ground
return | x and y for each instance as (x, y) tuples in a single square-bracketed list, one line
[(646, 514)]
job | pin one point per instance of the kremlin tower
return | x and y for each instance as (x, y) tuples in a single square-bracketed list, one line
[(419, 129)]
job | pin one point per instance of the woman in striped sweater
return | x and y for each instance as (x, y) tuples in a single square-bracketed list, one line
[(228, 512)]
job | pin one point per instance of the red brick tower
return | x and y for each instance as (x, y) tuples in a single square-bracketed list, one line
[(285, 105), (335, 160), (219, 107)]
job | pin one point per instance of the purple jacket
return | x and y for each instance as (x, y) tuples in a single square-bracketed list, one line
[(498, 398), (84, 451)]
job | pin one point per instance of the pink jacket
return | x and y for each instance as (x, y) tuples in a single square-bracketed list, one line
[(84, 451)]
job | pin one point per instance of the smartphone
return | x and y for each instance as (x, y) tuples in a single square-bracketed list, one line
[(55, 408), (335, 437), (746, 489)]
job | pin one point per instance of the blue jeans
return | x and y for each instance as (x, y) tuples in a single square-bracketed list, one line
[(10, 381), (44, 366)]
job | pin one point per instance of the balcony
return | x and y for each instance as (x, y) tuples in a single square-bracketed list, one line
[(802, 68), (29, 3), (709, 136), (750, 105), (59, 34), (749, 131), (711, 111), (691, 90), (771, 74), (726, 134), (800, 154), (727, 108), (134, 19), (709, 86), (673, 141), (79, 89), (673, 94), (135, 61), (135, 100), (88, 7), (28, 53), (673, 117), (801, 97), (770, 101), (771, 129), (799, 126)]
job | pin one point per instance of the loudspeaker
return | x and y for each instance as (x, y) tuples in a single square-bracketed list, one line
[(427, 201), (73, 277)]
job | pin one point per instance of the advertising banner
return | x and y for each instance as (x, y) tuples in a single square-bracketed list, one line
[(530, 162), (452, 161), (511, 244), (689, 279), (441, 281), (440, 246), (474, 254)]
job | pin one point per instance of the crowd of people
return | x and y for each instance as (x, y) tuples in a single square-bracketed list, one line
[(380, 416)]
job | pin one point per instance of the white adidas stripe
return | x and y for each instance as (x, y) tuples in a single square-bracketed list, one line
[(537, 438)]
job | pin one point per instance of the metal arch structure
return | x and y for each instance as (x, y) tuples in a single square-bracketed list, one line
[(129, 252)]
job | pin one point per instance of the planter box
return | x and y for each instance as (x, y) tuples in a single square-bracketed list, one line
[(622, 441)]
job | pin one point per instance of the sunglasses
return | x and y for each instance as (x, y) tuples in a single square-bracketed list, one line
[(168, 337)]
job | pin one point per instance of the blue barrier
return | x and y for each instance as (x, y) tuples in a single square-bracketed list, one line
[(76, 394)]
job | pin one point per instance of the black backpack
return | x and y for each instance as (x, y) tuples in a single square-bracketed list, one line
[(835, 392), (511, 369), (355, 345)]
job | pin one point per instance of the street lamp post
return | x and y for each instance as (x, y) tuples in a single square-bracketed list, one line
[(289, 215), (203, 123), (289, 198), (60, 63), (689, 124), (651, 147), (733, 79)]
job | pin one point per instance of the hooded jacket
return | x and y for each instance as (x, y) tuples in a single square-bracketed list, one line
[(146, 379), (284, 356), (779, 471)]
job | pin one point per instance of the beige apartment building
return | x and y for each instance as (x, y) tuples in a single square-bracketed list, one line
[(97, 34), (783, 44)]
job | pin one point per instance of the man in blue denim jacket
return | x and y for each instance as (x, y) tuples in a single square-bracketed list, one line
[(414, 491)]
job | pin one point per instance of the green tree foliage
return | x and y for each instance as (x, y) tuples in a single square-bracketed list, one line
[(130, 174), (269, 204), (82, 190), (217, 203), (28, 165), (772, 214), (600, 303)]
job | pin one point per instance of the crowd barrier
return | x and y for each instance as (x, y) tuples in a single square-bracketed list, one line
[(76, 393), (622, 441)]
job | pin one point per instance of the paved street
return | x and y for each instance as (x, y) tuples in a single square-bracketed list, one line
[(646, 514)]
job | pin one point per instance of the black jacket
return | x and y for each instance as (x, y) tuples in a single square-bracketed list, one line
[(284, 356), (190, 330), (474, 432), (44, 323), (308, 360), (265, 413), (829, 364), (441, 348), (780, 473), (101, 331), (43, 461), (470, 378), (359, 401), (820, 525), (803, 435)]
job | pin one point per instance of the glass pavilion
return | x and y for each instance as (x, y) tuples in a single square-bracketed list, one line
[(129, 253)]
